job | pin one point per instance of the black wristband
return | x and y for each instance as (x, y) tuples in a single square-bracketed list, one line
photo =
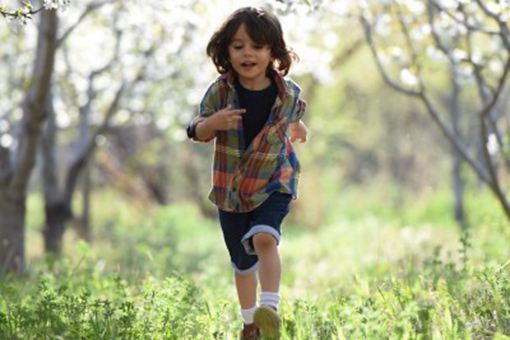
[(191, 130)]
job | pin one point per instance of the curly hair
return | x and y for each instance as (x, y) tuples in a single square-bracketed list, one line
[(263, 28)]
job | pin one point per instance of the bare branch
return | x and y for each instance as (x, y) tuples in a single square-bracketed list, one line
[(432, 110), (410, 46), (81, 160), (437, 39), (463, 22), (73, 95), (387, 78), (24, 12), (489, 106), (347, 53), (503, 28), (88, 10), (459, 146), (83, 157)]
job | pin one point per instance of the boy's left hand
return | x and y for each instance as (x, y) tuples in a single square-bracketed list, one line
[(298, 132)]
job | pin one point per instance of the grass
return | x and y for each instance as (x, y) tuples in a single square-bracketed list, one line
[(163, 273)]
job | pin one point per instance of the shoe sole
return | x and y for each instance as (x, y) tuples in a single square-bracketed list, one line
[(268, 321)]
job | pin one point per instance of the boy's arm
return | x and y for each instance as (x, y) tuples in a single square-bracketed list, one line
[(205, 128), (204, 131), (199, 131)]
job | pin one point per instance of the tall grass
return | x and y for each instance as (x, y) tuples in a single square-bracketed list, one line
[(163, 273)]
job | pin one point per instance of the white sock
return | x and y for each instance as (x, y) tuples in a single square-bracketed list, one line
[(270, 299), (247, 315)]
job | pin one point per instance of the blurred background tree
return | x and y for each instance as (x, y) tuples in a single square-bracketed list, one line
[(470, 43)]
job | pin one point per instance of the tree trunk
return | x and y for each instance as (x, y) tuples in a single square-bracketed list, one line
[(12, 233), (57, 215), (458, 182), (458, 191), (57, 211), (83, 227), (15, 175)]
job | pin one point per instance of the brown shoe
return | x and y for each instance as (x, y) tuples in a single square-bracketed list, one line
[(250, 332), (269, 322)]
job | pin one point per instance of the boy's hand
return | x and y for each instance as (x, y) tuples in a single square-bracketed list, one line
[(225, 119), (298, 132)]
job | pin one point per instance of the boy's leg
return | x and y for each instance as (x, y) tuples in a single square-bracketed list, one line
[(234, 226), (262, 239), (246, 289), (269, 262)]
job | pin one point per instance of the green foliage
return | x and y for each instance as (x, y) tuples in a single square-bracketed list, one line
[(440, 302), (92, 307), (164, 274)]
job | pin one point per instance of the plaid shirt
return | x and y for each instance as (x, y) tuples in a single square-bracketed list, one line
[(245, 176)]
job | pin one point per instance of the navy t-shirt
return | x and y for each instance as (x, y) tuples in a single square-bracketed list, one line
[(258, 106)]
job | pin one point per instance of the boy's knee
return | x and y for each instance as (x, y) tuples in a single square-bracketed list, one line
[(264, 240)]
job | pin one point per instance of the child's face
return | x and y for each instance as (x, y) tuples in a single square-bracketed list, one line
[(249, 59)]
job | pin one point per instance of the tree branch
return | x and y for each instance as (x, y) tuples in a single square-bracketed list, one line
[(503, 28), (25, 12), (88, 10), (464, 23), (387, 78), (80, 161), (433, 111)]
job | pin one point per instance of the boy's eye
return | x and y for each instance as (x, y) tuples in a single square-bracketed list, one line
[(258, 47), (238, 47)]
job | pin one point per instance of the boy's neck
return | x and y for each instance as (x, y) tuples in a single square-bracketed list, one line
[(255, 84)]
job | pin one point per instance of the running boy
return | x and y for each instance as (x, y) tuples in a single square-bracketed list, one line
[(254, 115)]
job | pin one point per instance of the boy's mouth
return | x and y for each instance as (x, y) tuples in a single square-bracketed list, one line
[(247, 64)]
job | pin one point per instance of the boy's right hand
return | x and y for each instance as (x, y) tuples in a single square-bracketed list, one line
[(225, 119)]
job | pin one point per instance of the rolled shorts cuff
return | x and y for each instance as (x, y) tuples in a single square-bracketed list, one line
[(260, 228), (248, 271)]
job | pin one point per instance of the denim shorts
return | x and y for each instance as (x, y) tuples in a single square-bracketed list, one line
[(239, 229)]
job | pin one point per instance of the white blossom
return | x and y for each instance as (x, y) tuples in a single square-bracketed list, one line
[(459, 55), (56, 4), (492, 144), (420, 32), (6, 141), (494, 7), (435, 54), (408, 77), (496, 66), (416, 7), (448, 4), (382, 27)]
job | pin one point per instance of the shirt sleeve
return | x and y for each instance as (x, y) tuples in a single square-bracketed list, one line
[(299, 111), (208, 105), (299, 106)]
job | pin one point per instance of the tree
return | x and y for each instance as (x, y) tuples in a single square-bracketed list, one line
[(16, 169), (473, 40), (59, 192), (58, 198), (18, 163)]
